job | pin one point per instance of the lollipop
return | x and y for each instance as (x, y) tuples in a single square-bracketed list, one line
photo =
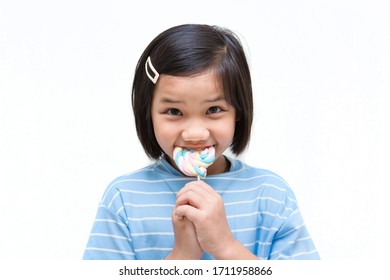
[(194, 162)]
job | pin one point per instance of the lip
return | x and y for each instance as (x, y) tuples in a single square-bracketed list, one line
[(196, 148)]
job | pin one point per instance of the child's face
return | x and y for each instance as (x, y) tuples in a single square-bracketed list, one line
[(191, 112)]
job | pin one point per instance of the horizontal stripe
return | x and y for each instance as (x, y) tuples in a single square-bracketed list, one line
[(255, 228), (299, 240), (110, 235), (153, 249), (295, 255), (150, 219), (151, 233), (149, 205), (291, 230), (236, 230), (259, 198), (248, 178), (108, 250), (228, 216), (256, 213), (147, 193), (109, 221), (218, 191), (211, 178), (258, 242), (254, 188)]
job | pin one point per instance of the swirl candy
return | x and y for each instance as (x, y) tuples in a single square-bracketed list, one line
[(194, 162)]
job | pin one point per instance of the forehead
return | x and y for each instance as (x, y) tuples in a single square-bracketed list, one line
[(205, 84)]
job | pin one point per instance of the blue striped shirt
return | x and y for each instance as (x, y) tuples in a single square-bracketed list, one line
[(133, 220)]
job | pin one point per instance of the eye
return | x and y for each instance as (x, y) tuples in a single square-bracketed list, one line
[(174, 112), (214, 110)]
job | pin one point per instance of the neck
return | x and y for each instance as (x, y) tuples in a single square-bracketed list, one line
[(221, 165)]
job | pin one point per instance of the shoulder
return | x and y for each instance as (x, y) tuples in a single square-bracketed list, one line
[(265, 181), (246, 172), (136, 180)]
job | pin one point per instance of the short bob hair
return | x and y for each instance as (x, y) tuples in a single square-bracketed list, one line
[(187, 50)]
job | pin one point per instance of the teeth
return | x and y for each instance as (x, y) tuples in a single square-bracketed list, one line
[(198, 149)]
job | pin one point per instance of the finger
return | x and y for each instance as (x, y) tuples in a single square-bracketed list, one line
[(206, 187), (188, 186), (176, 216), (188, 211), (197, 186), (181, 222), (198, 196), (191, 197)]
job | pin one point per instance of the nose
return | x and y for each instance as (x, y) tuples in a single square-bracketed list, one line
[(195, 132)]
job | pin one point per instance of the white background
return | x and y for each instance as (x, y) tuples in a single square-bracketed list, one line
[(321, 80)]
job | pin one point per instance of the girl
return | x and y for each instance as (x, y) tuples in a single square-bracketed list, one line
[(192, 89)]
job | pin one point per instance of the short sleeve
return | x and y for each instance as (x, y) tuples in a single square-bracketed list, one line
[(110, 238), (293, 241)]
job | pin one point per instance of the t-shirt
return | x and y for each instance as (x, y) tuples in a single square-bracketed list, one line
[(134, 221)]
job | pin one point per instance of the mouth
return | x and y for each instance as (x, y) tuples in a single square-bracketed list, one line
[(197, 148), (194, 160)]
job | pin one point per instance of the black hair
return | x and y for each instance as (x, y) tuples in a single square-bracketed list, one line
[(187, 50)]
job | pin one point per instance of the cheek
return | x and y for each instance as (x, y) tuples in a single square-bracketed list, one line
[(165, 135), (228, 134), (229, 128), (224, 133), (159, 132)]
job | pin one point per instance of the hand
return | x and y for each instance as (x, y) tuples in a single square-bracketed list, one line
[(204, 207), (186, 246)]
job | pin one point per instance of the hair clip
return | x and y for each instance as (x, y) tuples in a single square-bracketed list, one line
[(148, 64)]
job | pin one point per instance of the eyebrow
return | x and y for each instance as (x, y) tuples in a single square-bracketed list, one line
[(218, 98), (174, 101), (169, 100)]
